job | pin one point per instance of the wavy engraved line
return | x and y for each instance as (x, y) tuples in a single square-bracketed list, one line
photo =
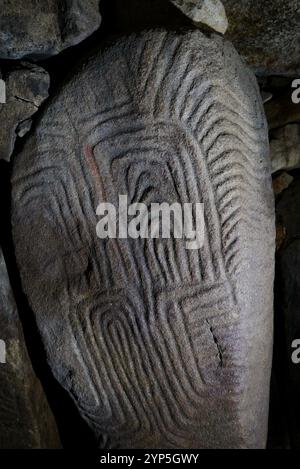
[(38, 172), (185, 114), (211, 141), (186, 187), (234, 215), (217, 254), (85, 206), (232, 200), (234, 264), (174, 255), (89, 154), (217, 156), (190, 389), (96, 334), (159, 48), (238, 181), (151, 247), (226, 108), (240, 102), (188, 398), (224, 162), (225, 121), (176, 94), (117, 108), (88, 366), (161, 82), (209, 305), (132, 152), (139, 274), (252, 213), (209, 147), (92, 126), (242, 193), (158, 416), (170, 387), (84, 340), (124, 379), (183, 405), (233, 195), (210, 106), (168, 400), (236, 184), (230, 236), (188, 150), (145, 45), (222, 107)]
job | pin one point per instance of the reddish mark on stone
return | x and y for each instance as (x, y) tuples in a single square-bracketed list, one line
[(90, 157)]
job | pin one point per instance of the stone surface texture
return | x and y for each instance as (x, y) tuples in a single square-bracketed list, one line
[(266, 33), (285, 147), (160, 346), (208, 12), (282, 182), (26, 89), (281, 111), (40, 29), (26, 421)]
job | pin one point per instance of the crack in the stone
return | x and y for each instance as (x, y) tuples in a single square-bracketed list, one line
[(215, 339), (26, 101)]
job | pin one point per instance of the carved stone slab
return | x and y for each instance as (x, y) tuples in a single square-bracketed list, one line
[(161, 347)]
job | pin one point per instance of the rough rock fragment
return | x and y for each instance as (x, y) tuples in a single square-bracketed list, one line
[(26, 89), (282, 182), (285, 147), (281, 110), (37, 30), (209, 12), (26, 420), (160, 346), (266, 33)]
